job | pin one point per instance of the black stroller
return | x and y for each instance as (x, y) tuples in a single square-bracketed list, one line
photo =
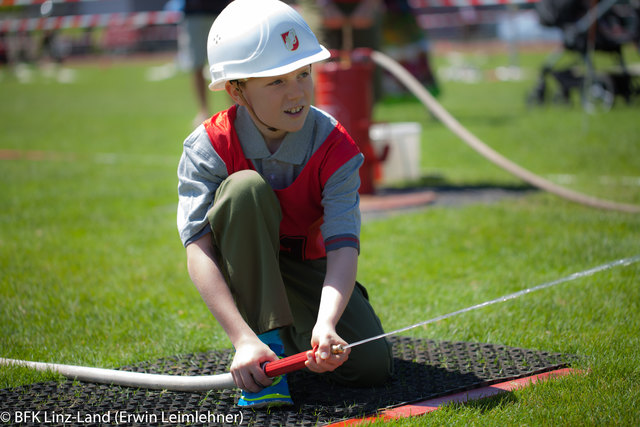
[(588, 26)]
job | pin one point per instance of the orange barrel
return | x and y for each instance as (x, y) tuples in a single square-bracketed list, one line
[(344, 89)]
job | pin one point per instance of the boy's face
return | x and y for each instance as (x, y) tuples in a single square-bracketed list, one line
[(280, 102)]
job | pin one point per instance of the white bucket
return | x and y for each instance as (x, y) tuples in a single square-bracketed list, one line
[(403, 160)]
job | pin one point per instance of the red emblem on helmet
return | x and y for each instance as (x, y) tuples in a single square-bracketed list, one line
[(290, 40)]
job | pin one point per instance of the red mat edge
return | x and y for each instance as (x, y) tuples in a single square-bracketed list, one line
[(430, 405)]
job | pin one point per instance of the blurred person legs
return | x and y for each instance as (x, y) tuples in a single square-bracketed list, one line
[(407, 43), (192, 48), (352, 24)]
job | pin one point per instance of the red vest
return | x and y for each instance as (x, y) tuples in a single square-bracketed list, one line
[(302, 211)]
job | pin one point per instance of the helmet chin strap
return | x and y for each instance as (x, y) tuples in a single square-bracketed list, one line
[(251, 110)]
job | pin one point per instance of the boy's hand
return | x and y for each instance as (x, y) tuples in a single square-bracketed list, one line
[(246, 367), (325, 336)]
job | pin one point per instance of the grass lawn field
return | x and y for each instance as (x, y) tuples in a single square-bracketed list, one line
[(93, 272)]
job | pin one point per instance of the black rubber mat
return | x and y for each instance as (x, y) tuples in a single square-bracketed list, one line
[(423, 369)]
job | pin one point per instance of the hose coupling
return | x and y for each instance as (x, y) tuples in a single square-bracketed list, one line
[(337, 349)]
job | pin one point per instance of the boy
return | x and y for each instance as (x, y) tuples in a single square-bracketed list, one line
[(269, 209)]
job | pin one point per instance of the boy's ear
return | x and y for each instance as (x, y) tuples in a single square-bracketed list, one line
[(234, 92)]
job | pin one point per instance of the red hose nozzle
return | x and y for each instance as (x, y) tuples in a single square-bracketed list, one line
[(286, 364), (293, 363)]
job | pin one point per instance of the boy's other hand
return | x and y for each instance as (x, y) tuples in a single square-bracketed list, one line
[(246, 367)]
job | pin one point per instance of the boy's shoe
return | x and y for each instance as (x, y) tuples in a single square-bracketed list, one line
[(277, 394)]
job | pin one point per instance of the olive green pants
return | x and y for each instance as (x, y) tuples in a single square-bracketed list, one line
[(273, 290)]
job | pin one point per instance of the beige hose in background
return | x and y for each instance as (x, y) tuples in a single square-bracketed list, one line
[(487, 152)]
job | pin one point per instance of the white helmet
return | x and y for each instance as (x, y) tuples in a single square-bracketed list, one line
[(259, 38)]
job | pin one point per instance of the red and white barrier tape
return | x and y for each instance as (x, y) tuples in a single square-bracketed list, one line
[(141, 19), (413, 3), (429, 21), (131, 20), (30, 2), (422, 4)]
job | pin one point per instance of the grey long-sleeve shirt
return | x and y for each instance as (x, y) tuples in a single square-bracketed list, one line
[(201, 170)]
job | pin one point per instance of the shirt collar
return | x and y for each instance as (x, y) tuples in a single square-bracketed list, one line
[(294, 147)]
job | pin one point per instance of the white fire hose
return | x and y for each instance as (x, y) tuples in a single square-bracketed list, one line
[(131, 379), (487, 152)]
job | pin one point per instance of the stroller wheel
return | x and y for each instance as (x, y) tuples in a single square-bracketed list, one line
[(535, 98), (562, 97), (634, 88), (598, 95)]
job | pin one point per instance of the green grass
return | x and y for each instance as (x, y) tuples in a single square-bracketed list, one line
[(93, 271)]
